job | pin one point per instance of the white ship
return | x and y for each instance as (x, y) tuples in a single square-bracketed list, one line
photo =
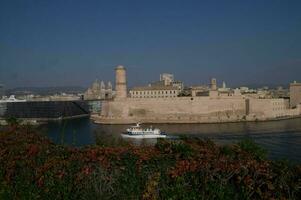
[(140, 133)]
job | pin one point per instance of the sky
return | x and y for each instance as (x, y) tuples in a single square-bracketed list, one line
[(73, 42)]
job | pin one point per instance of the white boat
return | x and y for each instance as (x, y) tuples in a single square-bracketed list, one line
[(140, 133)]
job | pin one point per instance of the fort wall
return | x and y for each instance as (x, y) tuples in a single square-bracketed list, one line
[(263, 109), (193, 110), (173, 110), (215, 108)]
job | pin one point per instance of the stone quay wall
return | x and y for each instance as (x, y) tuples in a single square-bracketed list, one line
[(172, 110), (193, 110)]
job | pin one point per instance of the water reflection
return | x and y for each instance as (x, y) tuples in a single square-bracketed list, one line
[(281, 138), (76, 132)]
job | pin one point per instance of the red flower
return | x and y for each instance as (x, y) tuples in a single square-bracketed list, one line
[(40, 182), (61, 174), (33, 150), (87, 170)]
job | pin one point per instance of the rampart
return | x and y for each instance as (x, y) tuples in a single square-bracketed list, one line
[(145, 107), (193, 110)]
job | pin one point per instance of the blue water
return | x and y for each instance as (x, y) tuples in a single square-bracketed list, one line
[(282, 139)]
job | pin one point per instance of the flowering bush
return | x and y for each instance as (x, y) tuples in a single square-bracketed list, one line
[(32, 167)]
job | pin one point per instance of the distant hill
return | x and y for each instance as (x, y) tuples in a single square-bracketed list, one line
[(45, 90), (258, 85)]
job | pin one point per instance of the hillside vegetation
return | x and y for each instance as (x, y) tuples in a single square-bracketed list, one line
[(32, 167)]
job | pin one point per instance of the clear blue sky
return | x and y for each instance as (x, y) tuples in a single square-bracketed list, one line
[(61, 42)]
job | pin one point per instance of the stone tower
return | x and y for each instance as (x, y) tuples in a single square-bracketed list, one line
[(120, 85), (295, 94), (213, 85)]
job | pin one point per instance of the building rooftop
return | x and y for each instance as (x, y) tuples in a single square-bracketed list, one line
[(119, 67), (295, 83), (156, 87)]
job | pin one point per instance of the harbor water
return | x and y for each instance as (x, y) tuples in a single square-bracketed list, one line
[(282, 139)]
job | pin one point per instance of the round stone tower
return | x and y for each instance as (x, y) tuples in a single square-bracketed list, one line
[(213, 85), (120, 85)]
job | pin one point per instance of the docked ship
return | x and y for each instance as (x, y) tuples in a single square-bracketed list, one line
[(138, 132)]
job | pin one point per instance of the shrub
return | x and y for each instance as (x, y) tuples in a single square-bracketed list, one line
[(32, 167), (253, 149)]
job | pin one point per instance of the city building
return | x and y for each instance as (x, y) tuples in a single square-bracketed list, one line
[(99, 91), (178, 84), (280, 92), (154, 92), (167, 87), (202, 90), (224, 88), (167, 78), (295, 94)]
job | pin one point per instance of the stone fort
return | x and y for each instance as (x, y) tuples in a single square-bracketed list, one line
[(161, 103)]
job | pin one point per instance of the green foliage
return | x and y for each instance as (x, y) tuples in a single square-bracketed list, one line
[(197, 186), (12, 121), (177, 148), (252, 148), (99, 185), (227, 150), (286, 172), (128, 181), (184, 150), (162, 145)]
